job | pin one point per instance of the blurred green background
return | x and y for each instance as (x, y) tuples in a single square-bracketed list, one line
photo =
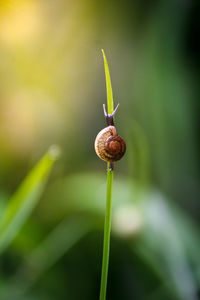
[(52, 88)]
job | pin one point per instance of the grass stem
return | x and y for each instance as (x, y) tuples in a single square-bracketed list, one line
[(107, 229)]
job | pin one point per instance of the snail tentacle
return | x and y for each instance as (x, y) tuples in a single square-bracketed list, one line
[(109, 118)]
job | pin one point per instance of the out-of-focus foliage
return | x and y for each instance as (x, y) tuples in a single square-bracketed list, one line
[(24, 199), (52, 90)]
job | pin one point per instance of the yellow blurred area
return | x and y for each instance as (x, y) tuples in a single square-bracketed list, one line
[(24, 121), (41, 86), (19, 21)]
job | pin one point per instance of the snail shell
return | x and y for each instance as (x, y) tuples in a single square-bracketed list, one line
[(109, 146)]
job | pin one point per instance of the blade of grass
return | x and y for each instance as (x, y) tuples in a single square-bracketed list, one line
[(58, 242), (65, 235), (25, 199), (107, 225), (110, 103), (107, 229)]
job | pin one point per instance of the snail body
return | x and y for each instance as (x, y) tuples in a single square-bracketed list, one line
[(109, 146)]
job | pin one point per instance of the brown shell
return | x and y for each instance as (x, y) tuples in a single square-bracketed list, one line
[(109, 146)]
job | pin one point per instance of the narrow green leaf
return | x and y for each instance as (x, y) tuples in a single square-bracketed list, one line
[(66, 234), (25, 198), (110, 104), (57, 243), (107, 230)]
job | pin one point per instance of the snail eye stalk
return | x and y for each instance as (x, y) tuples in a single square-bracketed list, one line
[(110, 118)]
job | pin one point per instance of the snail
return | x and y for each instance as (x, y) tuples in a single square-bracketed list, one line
[(109, 146)]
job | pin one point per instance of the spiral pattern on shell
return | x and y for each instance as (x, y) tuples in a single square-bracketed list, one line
[(109, 146)]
